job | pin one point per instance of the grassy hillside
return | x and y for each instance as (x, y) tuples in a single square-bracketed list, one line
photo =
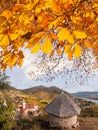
[(33, 90), (44, 92), (43, 96), (40, 95)]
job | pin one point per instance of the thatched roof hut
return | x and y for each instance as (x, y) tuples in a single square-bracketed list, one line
[(62, 111)]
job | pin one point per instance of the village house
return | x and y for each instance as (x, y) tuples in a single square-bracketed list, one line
[(30, 109), (63, 112), (25, 109)]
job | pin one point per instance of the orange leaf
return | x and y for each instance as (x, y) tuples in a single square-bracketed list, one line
[(7, 13), (70, 55), (38, 28), (53, 36), (51, 53), (17, 7), (20, 62), (58, 51), (36, 38), (20, 54), (13, 60), (88, 44), (61, 43)]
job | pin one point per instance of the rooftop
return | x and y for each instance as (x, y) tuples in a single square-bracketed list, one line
[(63, 106)]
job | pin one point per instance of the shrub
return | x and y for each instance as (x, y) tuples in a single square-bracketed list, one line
[(6, 113), (91, 111)]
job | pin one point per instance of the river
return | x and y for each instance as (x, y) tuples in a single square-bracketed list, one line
[(87, 99)]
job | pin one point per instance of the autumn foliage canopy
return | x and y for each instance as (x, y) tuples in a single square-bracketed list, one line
[(50, 26)]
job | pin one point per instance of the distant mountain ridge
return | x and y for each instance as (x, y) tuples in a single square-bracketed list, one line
[(52, 89), (55, 90), (86, 94), (41, 91)]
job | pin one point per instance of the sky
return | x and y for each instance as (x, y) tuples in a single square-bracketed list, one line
[(20, 80)]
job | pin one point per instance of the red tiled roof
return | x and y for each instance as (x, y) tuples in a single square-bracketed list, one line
[(29, 105)]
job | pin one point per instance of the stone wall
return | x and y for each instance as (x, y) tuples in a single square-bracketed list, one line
[(62, 122)]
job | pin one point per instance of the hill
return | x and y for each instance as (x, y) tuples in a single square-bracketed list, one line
[(43, 92), (42, 96), (33, 90), (11, 92), (92, 95)]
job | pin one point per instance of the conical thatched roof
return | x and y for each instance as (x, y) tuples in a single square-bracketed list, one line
[(63, 106)]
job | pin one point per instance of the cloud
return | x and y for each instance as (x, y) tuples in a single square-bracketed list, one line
[(51, 72), (41, 67)]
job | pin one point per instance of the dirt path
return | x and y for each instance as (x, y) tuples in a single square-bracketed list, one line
[(88, 123)]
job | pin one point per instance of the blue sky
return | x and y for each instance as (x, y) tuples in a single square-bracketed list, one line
[(20, 80)]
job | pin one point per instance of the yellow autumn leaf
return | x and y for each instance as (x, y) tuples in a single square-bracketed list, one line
[(20, 62), (77, 51), (64, 34), (76, 19), (7, 13), (20, 54), (67, 48), (13, 60), (54, 5), (13, 36), (38, 28), (36, 48), (80, 35), (7, 58), (67, 1), (97, 19), (47, 46), (4, 41), (1, 37), (35, 39), (26, 21), (90, 14), (20, 32), (28, 6), (54, 22), (21, 18), (95, 5)]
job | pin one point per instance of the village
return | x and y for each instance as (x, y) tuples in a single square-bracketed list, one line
[(22, 108), (62, 111)]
